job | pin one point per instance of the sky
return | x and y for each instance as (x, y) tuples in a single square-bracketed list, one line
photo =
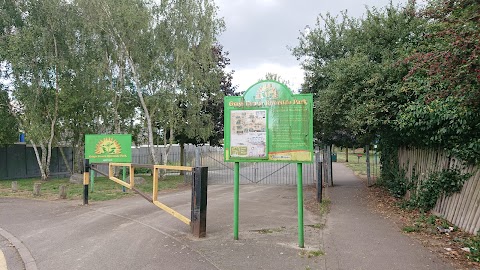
[(259, 32)]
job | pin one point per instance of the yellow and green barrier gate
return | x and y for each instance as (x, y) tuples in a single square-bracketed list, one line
[(101, 149)]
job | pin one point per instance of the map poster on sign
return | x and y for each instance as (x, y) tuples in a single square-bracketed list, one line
[(106, 148), (269, 123), (248, 133)]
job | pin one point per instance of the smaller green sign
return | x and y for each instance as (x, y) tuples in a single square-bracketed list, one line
[(106, 148)]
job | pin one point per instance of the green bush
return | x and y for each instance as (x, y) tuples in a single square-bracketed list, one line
[(445, 182), (474, 245)]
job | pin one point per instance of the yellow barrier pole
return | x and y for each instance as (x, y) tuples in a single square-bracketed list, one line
[(172, 212), (132, 176), (155, 184)]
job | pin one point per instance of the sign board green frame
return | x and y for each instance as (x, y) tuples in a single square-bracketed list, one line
[(269, 123), (106, 148)]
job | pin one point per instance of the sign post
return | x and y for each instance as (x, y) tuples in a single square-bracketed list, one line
[(236, 200), (269, 124), (300, 204)]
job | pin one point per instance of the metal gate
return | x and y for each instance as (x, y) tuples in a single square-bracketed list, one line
[(221, 172), (264, 173)]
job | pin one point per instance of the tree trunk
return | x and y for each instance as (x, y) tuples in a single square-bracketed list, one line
[(45, 162), (53, 118), (48, 158), (145, 111), (117, 98), (65, 160), (138, 86), (79, 155), (39, 161), (346, 154)]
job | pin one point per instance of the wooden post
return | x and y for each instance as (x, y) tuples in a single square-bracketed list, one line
[(14, 186), (36, 189), (62, 191), (199, 202)]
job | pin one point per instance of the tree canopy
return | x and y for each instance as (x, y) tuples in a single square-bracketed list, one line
[(406, 76), (134, 66)]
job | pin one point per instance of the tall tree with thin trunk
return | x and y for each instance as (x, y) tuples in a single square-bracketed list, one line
[(162, 44), (37, 53)]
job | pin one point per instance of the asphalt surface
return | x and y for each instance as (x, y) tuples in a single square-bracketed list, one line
[(355, 237), (134, 234)]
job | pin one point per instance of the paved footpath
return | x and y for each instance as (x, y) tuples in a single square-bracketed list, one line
[(132, 234), (357, 238)]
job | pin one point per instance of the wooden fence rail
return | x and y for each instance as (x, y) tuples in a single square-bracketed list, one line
[(462, 208)]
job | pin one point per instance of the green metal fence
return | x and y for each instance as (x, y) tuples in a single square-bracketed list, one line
[(18, 161)]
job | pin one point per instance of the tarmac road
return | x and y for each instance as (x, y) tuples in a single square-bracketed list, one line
[(134, 234)]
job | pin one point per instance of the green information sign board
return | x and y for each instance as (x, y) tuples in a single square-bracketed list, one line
[(106, 148), (269, 123)]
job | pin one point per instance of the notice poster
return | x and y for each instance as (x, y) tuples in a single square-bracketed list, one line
[(248, 133), (268, 123)]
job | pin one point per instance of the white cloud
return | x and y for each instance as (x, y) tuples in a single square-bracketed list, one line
[(259, 31), (268, 3)]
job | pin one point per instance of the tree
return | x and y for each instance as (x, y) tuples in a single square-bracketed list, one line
[(77, 67), (100, 97), (10, 18), (212, 102), (215, 104), (212, 108), (196, 73), (162, 45), (8, 123), (38, 54), (444, 78), (352, 68)]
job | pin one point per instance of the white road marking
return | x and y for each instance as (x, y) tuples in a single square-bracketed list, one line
[(3, 262)]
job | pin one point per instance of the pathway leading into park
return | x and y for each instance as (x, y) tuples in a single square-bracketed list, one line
[(357, 238)]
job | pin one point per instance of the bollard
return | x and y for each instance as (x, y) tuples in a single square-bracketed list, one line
[(319, 182), (36, 189), (199, 202), (62, 192), (86, 181), (14, 186)]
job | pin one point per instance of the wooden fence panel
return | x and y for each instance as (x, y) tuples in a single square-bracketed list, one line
[(462, 208)]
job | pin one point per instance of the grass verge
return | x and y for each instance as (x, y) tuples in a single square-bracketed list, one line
[(104, 189)]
